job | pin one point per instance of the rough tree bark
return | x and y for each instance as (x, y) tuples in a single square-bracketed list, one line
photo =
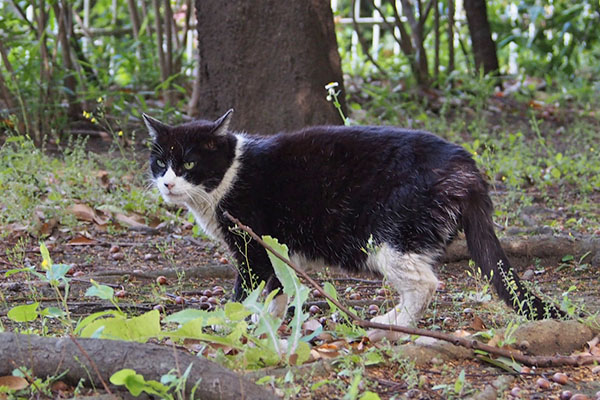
[(484, 48), (269, 60), (48, 356)]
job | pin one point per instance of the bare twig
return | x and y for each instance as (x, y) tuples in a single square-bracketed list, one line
[(539, 361), (363, 44), (405, 42), (436, 31), (135, 18), (30, 379), (63, 13), (93, 364), (23, 15), (6, 95), (169, 36), (391, 26), (159, 40)]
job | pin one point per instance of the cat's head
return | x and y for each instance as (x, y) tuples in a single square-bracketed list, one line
[(188, 161)]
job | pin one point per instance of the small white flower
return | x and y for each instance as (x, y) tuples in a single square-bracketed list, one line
[(331, 85)]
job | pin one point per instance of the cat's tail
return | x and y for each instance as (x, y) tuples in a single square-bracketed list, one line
[(487, 253)]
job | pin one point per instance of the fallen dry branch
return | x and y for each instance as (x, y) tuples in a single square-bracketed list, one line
[(48, 356), (549, 248), (469, 343)]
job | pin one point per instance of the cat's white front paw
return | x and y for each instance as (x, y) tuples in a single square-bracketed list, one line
[(377, 335), (394, 317)]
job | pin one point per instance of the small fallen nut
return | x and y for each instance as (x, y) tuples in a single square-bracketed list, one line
[(566, 395), (561, 378), (543, 383), (515, 392), (580, 396)]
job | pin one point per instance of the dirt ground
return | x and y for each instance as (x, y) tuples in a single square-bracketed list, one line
[(132, 260)]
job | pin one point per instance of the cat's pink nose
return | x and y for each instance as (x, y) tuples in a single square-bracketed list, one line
[(169, 185)]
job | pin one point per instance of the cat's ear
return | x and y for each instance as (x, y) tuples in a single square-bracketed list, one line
[(222, 124), (155, 127)]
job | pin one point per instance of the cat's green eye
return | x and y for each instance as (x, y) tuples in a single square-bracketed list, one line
[(161, 163), (189, 165)]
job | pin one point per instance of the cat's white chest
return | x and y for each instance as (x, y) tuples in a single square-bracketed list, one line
[(207, 220), (206, 206)]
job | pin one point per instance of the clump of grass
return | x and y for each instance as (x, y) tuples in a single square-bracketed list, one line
[(36, 185)]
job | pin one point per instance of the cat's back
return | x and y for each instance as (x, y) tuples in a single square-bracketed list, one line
[(364, 146)]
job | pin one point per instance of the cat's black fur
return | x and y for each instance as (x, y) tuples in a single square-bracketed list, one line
[(329, 191)]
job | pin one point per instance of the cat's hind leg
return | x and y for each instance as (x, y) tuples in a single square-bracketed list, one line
[(412, 276)]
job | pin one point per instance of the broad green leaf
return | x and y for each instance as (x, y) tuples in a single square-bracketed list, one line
[(368, 395), (24, 313), (460, 382), (57, 272), (187, 315), (504, 363), (259, 357), (136, 383), (284, 273), (90, 318), (296, 291), (102, 291), (46, 260), (193, 330), (236, 311), (330, 290), (303, 353), (373, 357), (137, 329), (53, 312), (266, 323), (16, 271), (568, 257), (120, 377)]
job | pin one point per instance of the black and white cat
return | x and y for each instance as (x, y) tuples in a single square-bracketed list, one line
[(329, 193)]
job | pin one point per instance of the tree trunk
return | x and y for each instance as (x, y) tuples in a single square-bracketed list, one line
[(483, 45), (270, 61), (79, 358)]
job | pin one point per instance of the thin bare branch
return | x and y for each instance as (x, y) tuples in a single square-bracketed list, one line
[(450, 36), (389, 25), (23, 15), (5, 59), (406, 43), (62, 11), (92, 363), (169, 36), (363, 44), (436, 32), (6, 95), (425, 14), (159, 40), (135, 18)]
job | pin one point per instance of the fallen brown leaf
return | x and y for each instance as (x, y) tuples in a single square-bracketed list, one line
[(81, 240), (83, 212), (477, 324), (133, 221), (13, 382), (310, 326), (102, 175)]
